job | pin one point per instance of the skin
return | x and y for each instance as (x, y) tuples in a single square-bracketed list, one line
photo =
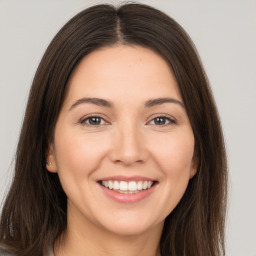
[(127, 141)]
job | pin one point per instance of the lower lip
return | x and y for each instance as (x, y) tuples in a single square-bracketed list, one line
[(127, 197)]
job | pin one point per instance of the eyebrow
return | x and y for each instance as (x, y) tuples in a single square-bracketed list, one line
[(159, 101), (95, 101), (105, 103)]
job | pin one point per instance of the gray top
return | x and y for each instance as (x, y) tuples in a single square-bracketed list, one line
[(4, 252)]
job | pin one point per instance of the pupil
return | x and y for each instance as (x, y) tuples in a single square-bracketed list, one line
[(160, 120), (94, 120)]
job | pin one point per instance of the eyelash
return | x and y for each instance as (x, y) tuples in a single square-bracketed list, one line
[(89, 118), (165, 118)]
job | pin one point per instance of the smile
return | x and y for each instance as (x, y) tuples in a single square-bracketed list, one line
[(124, 187)]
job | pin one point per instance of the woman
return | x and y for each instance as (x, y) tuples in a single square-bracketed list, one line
[(121, 149)]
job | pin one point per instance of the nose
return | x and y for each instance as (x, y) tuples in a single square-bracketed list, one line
[(128, 146)]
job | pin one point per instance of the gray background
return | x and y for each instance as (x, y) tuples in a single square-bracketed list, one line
[(224, 32)]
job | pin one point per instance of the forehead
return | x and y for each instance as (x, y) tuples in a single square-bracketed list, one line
[(123, 71)]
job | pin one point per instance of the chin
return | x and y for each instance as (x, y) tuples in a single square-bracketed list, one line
[(131, 225)]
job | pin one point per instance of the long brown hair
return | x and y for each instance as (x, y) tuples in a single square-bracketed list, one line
[(34, 213)]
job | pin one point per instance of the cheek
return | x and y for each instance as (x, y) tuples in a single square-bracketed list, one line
[(175, 154), (77, 158), (174, 157), (78, 155), (175, 160)]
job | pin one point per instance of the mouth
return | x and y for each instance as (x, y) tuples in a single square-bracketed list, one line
[(127, 187)]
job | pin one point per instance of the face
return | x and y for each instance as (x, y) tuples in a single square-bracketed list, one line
[(123, 145)]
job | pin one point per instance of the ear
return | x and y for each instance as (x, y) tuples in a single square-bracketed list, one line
[(50, 159), (194, 166)]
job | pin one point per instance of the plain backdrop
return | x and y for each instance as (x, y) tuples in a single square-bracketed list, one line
[(224, 32)]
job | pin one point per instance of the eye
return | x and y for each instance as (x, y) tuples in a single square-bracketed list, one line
[(161, 121), (94, 121)]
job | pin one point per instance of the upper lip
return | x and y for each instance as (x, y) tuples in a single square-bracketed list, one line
[(126, 178)]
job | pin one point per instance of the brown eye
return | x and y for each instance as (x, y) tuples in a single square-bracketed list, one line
[(161, 121), (94, 121)]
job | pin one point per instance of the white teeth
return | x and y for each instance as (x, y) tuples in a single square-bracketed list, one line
[(145, 185), (132, 186), (111, 184), (116, 185), (123, 185), (150, 183), (139, 185), (127, 187)]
